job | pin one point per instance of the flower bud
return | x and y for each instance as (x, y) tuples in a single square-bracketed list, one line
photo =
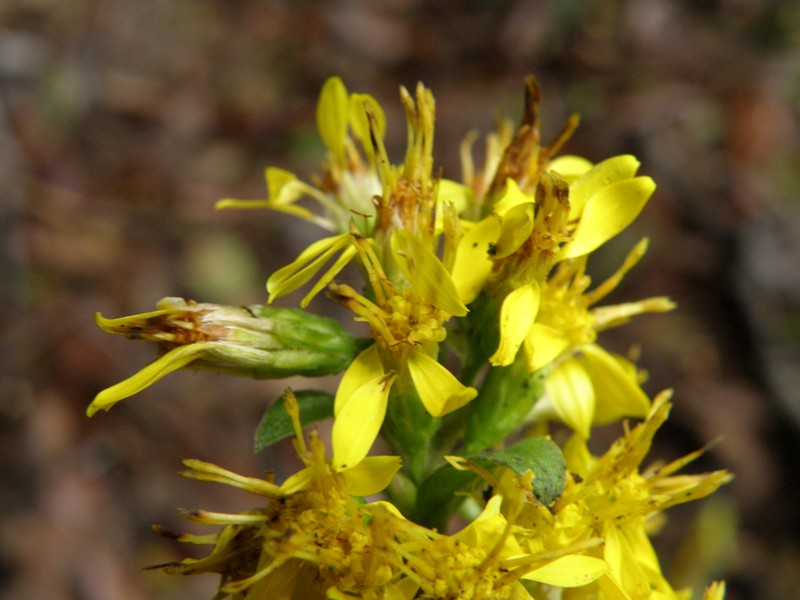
[(262, 342)]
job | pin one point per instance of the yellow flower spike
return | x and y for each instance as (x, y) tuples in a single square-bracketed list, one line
[(426, 273), (607, 212), (371, 475), (572, 394), (438, 389), (332, 116), (358, 422), (172, 361), (605, 173), (517, 315)]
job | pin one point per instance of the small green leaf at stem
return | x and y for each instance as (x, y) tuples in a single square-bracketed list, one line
[(276, 425)]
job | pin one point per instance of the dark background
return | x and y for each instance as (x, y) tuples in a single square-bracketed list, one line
[(123, 121)]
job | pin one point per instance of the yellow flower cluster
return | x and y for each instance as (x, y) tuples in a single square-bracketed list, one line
[(481, 321)]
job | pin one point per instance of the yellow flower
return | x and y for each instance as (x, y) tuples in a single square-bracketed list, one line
[(535, 252), (610, 498), (256, 341), (312, 537), (360, 192), (407, 326)]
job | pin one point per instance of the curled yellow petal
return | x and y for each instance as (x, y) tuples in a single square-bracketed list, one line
[(517, 228), (570, 167), (517, 315), (617, 389), (359, 421), (438, 389), (607, 212), (164, 365), (572, 395), (604, 173), (512, 196)]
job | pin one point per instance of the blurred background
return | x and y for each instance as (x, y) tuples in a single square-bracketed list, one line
[(122, 122)]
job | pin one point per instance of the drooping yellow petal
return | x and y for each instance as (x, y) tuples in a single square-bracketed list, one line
[(332, 115), (543, 345), (517, 315), (438, 389), (573, 570), (164, 365), (473, 263), (371, 475), (359, 421), (607, 212), (427, 274), (617, 391), (125, 324), (287, 279), (570, 167), (570, 389), (604, 173), (366, 367), (577, 456)]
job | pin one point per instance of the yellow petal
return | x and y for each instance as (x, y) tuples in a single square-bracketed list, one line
[(344, 258), (517, 228), (359, 422), (299, 481), (512, 196), (568, 571), (577, 456), (427, 274), (359, 122), (617, 389), (287, 279), (366, 367), (371, 475), (603, 174), (543, 345), (437, 388), (517, 315), (571, 392), (473, 263), (487, 529), (570, 167), (126, 324), (608, 212), (332, 115), (171, 361)]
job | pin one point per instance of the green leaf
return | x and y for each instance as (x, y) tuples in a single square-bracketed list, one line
[(541, 455), (445, 489), (276, 425)]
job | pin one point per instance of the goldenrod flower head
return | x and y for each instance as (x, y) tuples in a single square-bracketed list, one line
[(256, 341), (612, 499), (311, 537), (407, 325)]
